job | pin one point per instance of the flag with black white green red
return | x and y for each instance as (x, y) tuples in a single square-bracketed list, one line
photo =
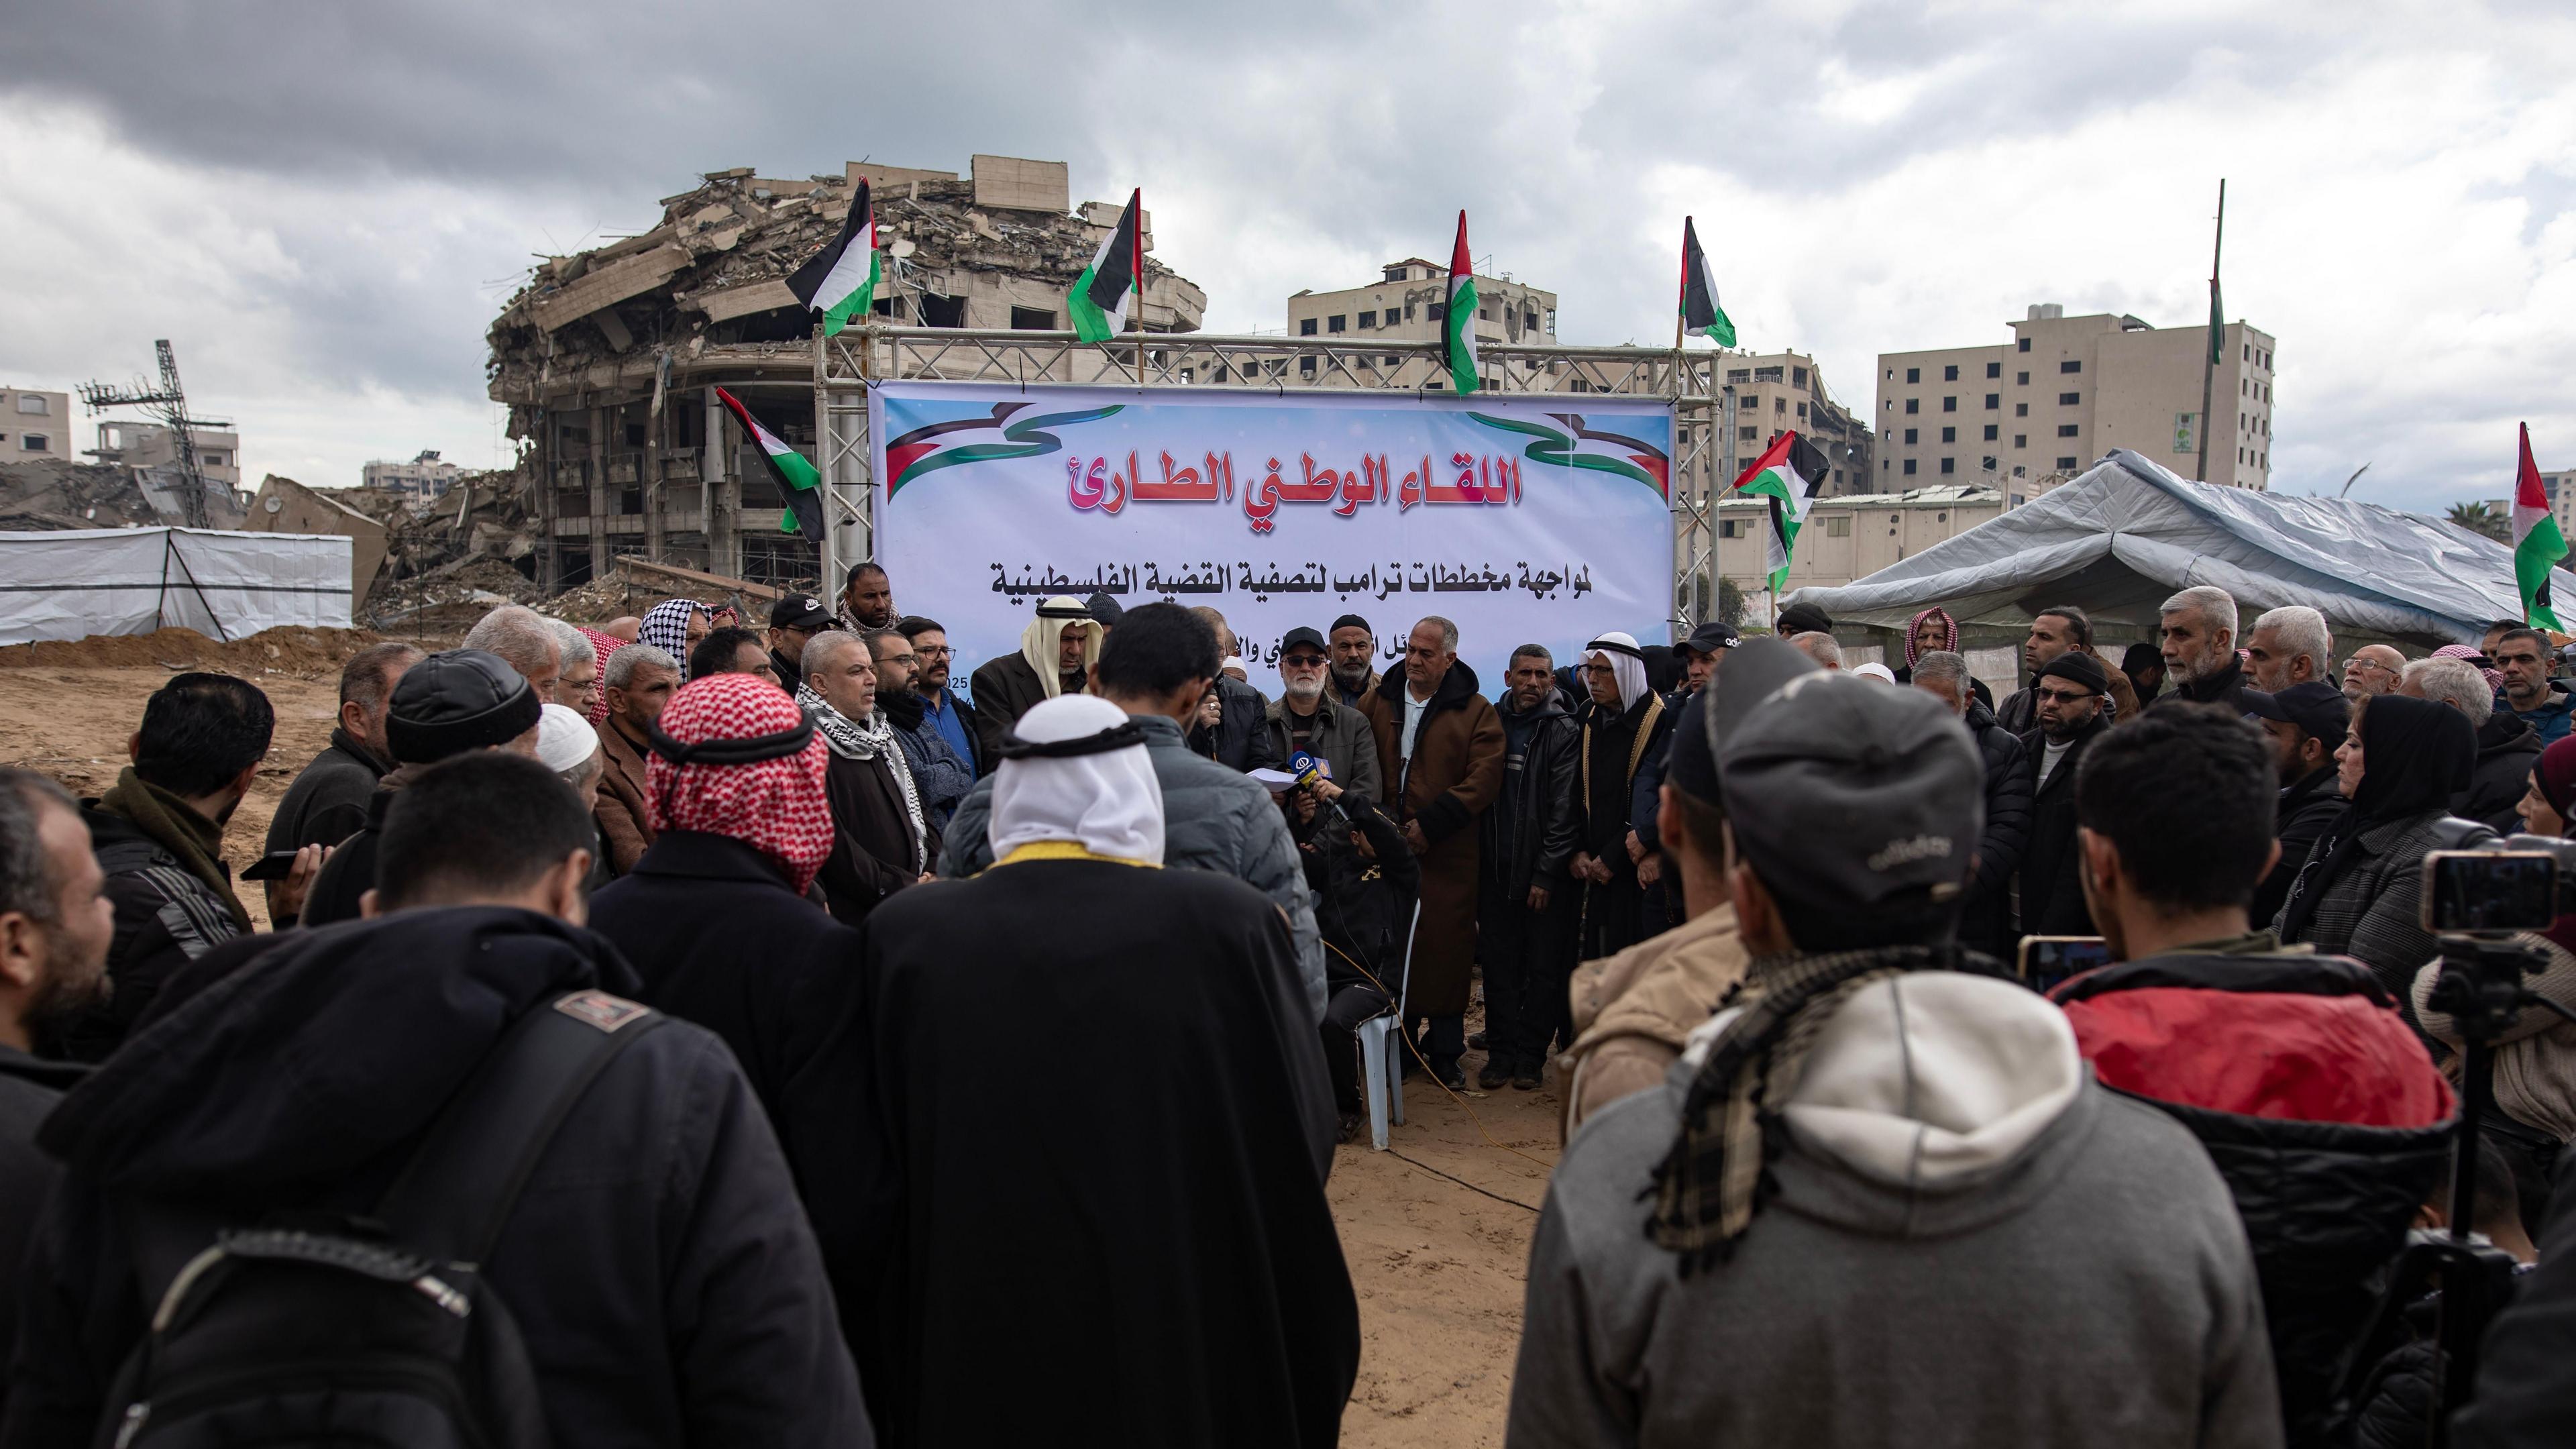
[(1786, 475), (1100, 296), (2537, 543), (1700, 312), (798, 481), (840, 281), (1458, 321)]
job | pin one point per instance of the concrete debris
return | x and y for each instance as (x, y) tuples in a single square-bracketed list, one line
[(961, 252), (636, 585), (53, 493), (449, 598), (50, 493)]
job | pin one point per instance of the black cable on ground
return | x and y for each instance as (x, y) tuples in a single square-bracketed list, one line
[(1462, 1182)]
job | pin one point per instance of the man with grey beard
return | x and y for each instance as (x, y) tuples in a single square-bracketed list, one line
[(2198, 631), (1306, 719)]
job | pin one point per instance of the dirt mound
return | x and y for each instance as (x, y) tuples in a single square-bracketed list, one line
[(293, 649)]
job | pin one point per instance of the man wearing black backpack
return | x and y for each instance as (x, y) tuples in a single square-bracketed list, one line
[(463, 1193)]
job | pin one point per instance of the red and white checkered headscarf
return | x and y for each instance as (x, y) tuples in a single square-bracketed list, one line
[(775, 806), (594, 706)]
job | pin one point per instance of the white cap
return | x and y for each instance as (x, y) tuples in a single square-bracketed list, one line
[(1879, 672), (564, 739)]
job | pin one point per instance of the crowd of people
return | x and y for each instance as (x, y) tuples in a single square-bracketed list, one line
[(697, 1034)]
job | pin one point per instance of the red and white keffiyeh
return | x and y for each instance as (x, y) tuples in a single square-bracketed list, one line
[(775, 806), (594, 705)]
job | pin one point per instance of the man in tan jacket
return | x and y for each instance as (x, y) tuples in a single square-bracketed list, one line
[(1632, 1010), (639, 680)]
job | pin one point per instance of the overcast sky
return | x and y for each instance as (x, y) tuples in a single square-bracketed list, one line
[(324, 204)]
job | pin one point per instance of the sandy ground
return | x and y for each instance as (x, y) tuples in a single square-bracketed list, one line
[(73, 724), (1437, 1265)]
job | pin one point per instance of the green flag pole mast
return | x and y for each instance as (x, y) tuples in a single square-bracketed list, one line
[(2209, 365)]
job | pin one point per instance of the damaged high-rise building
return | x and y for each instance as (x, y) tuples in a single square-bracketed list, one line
[(609, 359)]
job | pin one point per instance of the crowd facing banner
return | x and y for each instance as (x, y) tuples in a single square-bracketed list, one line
[(1528, 519)]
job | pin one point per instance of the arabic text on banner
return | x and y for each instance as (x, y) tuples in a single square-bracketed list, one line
[(1525, 520)]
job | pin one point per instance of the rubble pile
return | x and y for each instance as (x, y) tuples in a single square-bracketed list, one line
[(448, 598), (49, 493), (633, 589), (714, 271)]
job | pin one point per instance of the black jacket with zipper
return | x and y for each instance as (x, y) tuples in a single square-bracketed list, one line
[(660, 1271), (2052, 888), (1534, 828)]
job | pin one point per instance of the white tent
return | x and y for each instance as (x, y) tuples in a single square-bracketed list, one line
[(2122, 538), (78, 582)]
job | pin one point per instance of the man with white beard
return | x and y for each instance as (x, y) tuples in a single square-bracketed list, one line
[(1305, 718)]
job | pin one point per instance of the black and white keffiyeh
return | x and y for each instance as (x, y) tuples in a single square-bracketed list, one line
[(873, 740)]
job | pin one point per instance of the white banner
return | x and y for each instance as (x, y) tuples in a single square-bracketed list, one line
[(1523, 520)]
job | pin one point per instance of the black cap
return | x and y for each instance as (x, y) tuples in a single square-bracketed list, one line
[(1691, 768), (799, 611), (1302, 635), (1354, 621), (1104, 608), (455, 701), (1844, 794), (1804, 618), (1712, 636), (2079, 666), (2316, 707)]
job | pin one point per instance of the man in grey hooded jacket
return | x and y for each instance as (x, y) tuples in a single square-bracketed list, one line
[(1880, 1200)]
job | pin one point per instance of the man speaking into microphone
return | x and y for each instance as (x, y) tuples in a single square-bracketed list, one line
[(1306, 720)]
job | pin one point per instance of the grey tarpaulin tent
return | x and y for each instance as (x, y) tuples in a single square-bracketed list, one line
[(2122, 538), (78, 582)]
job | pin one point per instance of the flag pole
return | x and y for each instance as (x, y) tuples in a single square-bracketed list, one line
[(1136, 305), (2209, 359)]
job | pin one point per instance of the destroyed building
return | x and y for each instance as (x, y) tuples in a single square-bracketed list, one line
[(609, 359)]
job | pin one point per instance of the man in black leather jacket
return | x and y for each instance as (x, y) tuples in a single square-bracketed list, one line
[(1525, 909)]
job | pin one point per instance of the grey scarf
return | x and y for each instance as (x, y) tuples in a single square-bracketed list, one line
[(873, 740)]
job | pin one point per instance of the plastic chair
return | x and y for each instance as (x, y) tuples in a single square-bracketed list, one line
[(1382, 1051)]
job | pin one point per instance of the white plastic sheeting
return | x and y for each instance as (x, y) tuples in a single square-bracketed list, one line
[(79, 582), (2122, 538)]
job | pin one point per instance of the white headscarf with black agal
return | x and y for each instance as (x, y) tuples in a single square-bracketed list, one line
[(1627, 664)]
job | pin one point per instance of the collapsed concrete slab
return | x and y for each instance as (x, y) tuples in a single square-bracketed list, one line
[(609, 358)]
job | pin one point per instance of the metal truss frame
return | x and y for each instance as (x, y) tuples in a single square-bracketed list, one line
[(847, 365)]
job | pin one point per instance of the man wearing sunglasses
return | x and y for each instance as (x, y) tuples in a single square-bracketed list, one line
[(1306, 720)]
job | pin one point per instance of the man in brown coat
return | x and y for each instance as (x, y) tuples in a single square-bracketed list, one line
[(639, 680), (1441, 747)]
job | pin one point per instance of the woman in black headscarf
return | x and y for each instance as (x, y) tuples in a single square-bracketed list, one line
[(2400, 763)]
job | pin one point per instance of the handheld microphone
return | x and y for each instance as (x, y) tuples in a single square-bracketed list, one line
[(1310, 768)]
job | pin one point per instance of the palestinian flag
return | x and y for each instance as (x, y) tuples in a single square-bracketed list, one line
[(841, 280), (1458, 324), (2537, 543), (1100, 295), (1700, 312), (797, 479), (1786, 474)]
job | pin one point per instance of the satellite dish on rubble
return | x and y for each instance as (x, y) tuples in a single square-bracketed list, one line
[(902, 247), (275, 504)]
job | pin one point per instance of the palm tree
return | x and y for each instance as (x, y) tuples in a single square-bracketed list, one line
[(2481, 519)]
